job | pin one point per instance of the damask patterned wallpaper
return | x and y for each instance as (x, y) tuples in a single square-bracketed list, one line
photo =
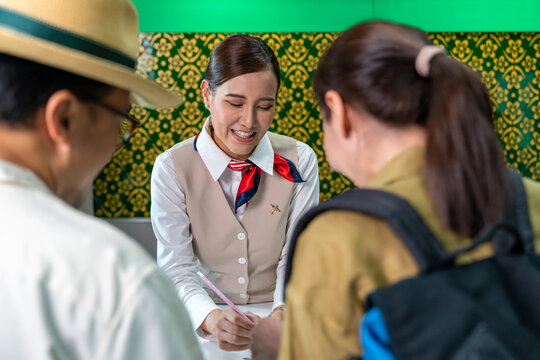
[(507, 62)]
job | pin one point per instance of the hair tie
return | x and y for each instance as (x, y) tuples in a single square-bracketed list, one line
[(423, 59)]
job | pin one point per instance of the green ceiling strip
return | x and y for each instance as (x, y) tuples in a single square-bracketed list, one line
[(335, 15), (462, 15)]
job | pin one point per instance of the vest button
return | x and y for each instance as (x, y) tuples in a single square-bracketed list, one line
[(243, 295), (242, 260), (241, 236), (241, 280)]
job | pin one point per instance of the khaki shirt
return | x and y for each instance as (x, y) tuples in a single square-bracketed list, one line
[(342, 256)]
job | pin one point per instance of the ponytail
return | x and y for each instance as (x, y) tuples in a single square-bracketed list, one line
[(464, 160), (392, 72)]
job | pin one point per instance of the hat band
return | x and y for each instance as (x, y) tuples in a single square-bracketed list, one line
[(38, 29)]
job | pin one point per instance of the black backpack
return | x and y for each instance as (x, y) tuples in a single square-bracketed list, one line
[(489, 309)]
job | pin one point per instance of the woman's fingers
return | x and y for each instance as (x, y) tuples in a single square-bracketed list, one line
[(253, 317), (233, 331), (231, 340), (225, 325), (235, 318), (230, 347)]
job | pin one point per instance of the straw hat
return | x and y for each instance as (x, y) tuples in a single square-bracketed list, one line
[(97, 39)]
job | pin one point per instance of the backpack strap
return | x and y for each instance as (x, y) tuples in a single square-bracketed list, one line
[(395, 211), (414, 233), (517, 213), (513, 233)]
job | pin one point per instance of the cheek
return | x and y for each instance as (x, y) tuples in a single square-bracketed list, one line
[(326, 135), (110, 139), (104, 143), (266, 118), (328, 144), (222, 118), (219, 126)]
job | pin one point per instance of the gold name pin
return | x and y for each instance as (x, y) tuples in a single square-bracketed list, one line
[(274, 209)]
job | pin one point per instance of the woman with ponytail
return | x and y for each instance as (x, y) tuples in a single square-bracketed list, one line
[(401, 116)]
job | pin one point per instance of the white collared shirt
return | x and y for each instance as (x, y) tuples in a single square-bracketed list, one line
[(174, 250), (74, 287)]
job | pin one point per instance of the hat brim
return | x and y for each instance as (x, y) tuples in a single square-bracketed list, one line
[(144, 91)]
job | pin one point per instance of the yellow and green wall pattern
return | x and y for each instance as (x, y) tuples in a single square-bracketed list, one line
[(506, 61)]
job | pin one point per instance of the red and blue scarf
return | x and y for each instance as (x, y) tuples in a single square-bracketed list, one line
[(252, 175)]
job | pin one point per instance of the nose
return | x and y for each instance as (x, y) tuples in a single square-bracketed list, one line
[(249, 117)]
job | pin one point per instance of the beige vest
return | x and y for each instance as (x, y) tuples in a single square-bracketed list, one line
[(242, 256)]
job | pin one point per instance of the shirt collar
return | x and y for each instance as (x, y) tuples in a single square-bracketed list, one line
[(409, 163), (263, 156), (17, 175), (216, 160)]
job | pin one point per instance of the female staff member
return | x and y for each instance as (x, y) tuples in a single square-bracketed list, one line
[(223, 202), (401, 116)]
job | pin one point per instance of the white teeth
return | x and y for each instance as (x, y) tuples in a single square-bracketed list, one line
[(243, 134)]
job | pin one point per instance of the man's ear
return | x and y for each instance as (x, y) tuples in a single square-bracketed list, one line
[(205, 87), (60, 112), (339, 113)]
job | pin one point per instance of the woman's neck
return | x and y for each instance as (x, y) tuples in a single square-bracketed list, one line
[(378, 145)]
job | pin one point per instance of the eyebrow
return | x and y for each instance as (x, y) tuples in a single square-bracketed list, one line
[(243, 97)]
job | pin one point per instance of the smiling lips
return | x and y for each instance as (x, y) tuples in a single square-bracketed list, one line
[(243, 136)]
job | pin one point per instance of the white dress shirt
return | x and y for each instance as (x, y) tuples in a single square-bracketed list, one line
[(74, 287), (171, 224)]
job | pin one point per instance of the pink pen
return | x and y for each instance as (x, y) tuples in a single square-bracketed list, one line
[(223, 297)]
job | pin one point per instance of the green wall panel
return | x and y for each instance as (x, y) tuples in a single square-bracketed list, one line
[(336, 15), (507, 62)]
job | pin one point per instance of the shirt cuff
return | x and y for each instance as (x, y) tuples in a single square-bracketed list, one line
[(199, 306), (278, 297)]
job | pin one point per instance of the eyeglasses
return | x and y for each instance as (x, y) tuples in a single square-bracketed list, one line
[(127, 126)]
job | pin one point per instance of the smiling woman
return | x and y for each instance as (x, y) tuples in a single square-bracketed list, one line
[(243, 109), (240, 90), (224, 202)]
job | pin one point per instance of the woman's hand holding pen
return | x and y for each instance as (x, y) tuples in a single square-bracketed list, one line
[(231, 330)]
